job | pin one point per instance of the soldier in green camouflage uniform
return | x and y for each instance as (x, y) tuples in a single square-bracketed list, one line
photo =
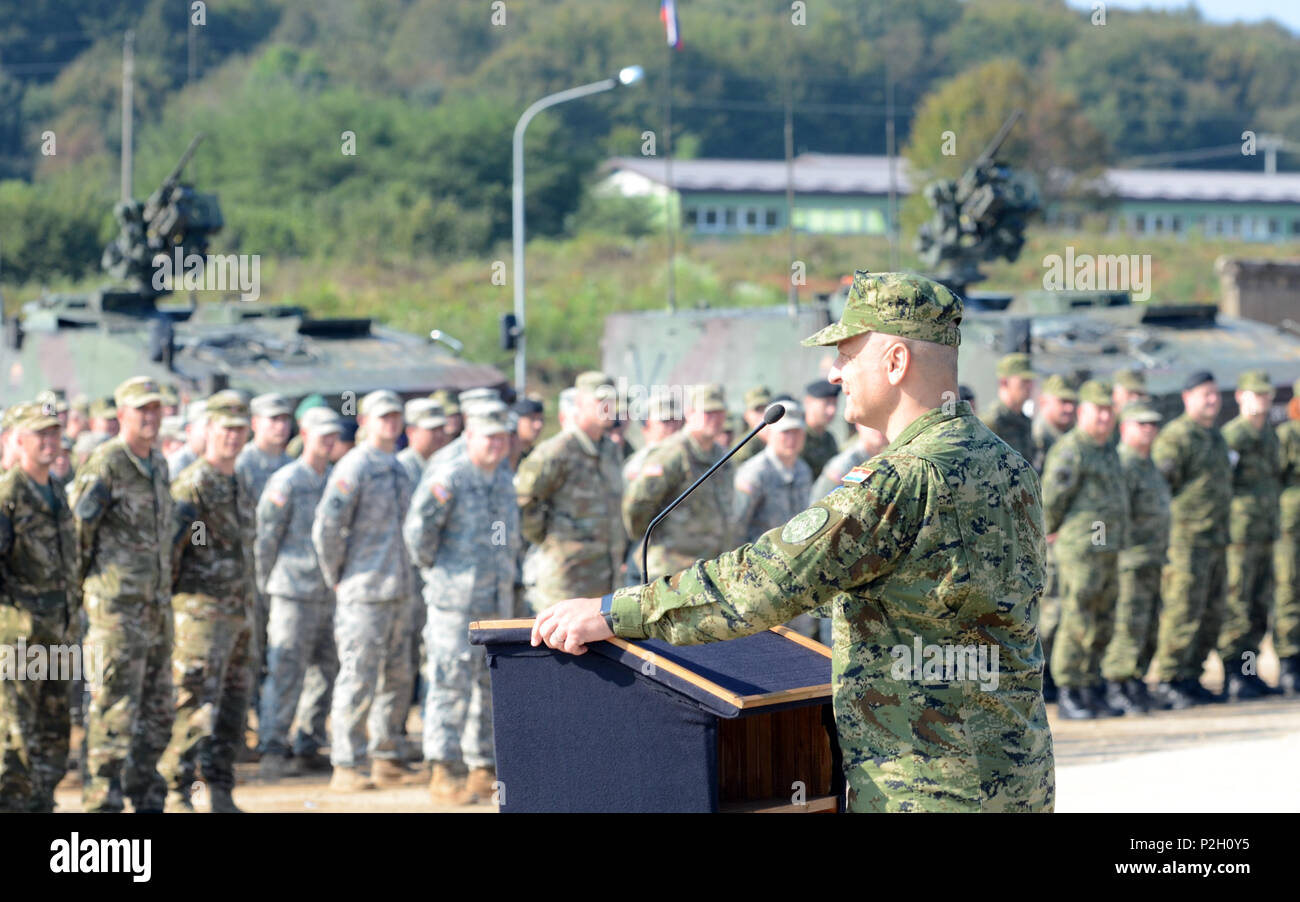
[(1015, 386), (40, 606), (1252, 528), (819, 405), (123, 508), (1286, 558), (1085, 508), (1055, 417), (214, 533), (702, 526), (570, 490), (103, 426), (937, 541), (1193, 457), (1129, 653), (757, 400)]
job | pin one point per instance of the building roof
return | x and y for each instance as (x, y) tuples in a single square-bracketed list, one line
[(817, 173)]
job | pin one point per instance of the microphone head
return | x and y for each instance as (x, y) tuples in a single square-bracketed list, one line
[(773, 413)]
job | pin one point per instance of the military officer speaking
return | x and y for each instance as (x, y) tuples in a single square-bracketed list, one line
[(937, 540)]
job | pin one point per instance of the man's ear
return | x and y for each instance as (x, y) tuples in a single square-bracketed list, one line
[(898, 360)]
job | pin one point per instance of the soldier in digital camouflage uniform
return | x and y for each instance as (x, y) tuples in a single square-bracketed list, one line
[(569, 491), (1055, 417), (213, 660), (1016, 378), (357, 534), (819, 405), (122, 505), (294, 448), (196, 432), (1193, 457), (937, 540), (757, 400), (463, 532), (702, 526), (663, 419), (40, 606), (1085, 509), (103, 426), (1286, 560), (1132, 644), (300, 630), (1252, 529)]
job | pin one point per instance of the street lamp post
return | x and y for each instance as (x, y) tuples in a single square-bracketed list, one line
[(627, 76)]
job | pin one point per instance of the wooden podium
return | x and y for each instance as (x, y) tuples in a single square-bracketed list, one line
[(743, 725)]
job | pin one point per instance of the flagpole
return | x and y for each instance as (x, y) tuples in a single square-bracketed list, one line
[(668, 179)]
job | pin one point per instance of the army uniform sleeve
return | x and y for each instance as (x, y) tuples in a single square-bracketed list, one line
[(538, 477), (185, 512), (430, 508), (853, 536), (645, 497), (1060, 482), (274, 512), (90, 495), (334, 514), (1166, 453)]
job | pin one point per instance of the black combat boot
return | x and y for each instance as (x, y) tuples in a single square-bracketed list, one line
[(1115, 701), (1171, 696), (1264, 688), (1073, 704), (1136, 690), (1239, 688), (1289, 681), (1199, 694)]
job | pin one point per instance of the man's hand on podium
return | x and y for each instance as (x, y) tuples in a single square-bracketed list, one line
[(569, 625)]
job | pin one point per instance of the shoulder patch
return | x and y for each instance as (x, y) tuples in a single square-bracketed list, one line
[(805, 525), (651, 470), (743, 486), (343, 485), (439, 491), (856, 476), (277, 497)]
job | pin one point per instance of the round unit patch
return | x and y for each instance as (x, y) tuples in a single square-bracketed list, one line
[(805, 525)]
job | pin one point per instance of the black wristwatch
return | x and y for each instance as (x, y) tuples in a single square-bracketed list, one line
[(607, 610)]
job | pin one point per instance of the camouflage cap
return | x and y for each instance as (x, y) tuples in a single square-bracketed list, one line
[(469, 396), (1058, 386), (1016, 365), (196, 410), (594, 383), (1254, 381), (170, 396), (54, 398), (793, 418), (137, 392), (380, 403), (271, 404), (708, 398), (320, 420), (664, 407), (486, 406), (81, 404), (227, 408), (1095, 392), (450, 406), (1131, 380), (486, 419), (172, 428), (103, 409), (30, 416), (758, 396), (896, 303), (423, 413), (1140, 412)]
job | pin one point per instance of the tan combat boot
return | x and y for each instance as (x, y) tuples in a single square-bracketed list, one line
[(223, 803), (445, 787), (349, 779), (478, 786), (391, 772)]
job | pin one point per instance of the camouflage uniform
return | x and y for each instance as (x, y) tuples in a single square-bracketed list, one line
[(1129, 653), (1286, 614), (1252, 529), (300, 630), (701, 527), (1082, 488), (179, 460), (1045, 435), (1194, 461), (818, 449), (463, 532), (569, 491), (357, 533), (253, 467), (212, 557), (1013, 427), (834, 471), (39, 605), (123, 511)]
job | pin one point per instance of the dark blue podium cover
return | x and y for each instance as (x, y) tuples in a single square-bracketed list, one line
[(633, 726)]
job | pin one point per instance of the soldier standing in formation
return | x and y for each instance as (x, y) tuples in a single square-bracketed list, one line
[(1055, 417), (300, 630), (122, 506), (357, 534), (892, 552), (1140, 560), (103, 426), (529, 422), (1130, 386), (663, 419), (40, 604), (213, 607), (1252, 529), (1193, 457), (462, 531), (1006, 416), (570, 490), (196, 435), (1286, 612), (1085, 513), (757, 400), (819, 404), (702, 526)]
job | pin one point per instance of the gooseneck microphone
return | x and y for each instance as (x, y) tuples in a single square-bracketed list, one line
[(770, 416)]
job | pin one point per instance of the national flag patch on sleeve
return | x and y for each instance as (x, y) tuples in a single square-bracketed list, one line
[(277, 498), (652, 470), (343, 485), (745, 487), (856, 475), (440, 492)]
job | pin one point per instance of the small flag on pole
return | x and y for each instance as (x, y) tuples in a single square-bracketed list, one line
[(668, 15)]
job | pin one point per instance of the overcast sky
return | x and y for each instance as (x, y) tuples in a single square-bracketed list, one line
[(1285, 11)]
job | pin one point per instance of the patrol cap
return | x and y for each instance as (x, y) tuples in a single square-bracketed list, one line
[(450, 406), (529, 407), (758, 396), (103, 409), (81, 404), (1058, 386), (594, 383), (1254, 380), (896, 303), (321, 420), (307, 403), (1200, 377), (1139, 412), (136, 392), (1096, 392), (380, 403), (1131, 380), (486, 407), (1016, 365), (820, 389), (469, 396), (196, 411), (54, 398), (664, 407), (30, 416), (419, 407), (172, 427), (793, 419), (228, 409), (708, 397), (271, 404), (485, 419), (170, 397)]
